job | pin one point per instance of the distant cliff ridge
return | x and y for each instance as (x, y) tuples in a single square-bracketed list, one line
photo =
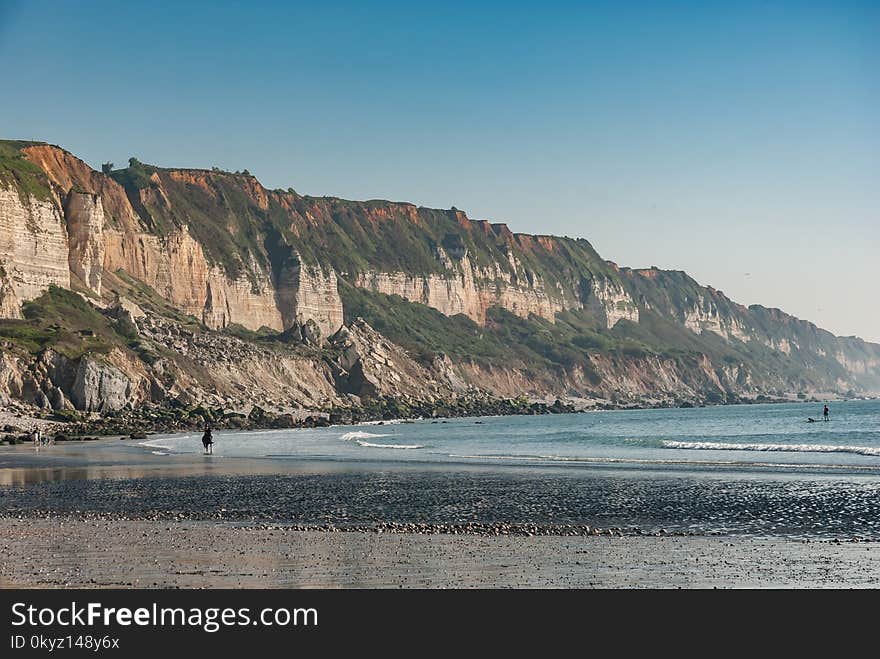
[(468, 301)]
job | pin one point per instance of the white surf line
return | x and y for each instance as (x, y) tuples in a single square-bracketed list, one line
[(792, 448), (402, 446)]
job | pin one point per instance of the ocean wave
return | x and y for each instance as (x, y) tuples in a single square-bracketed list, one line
[(157, 443), (561, 458), (357, 434), (793, 448), (404, 446), (656, 462)]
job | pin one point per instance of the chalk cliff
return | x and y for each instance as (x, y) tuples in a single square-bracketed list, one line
[(33, 244), (453, 304)]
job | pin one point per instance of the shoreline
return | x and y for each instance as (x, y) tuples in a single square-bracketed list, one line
[(155, 419), (124, 457)]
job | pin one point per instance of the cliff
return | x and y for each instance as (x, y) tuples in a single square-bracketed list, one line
[(422, 301)]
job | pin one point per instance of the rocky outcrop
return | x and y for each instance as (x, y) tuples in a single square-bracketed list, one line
[(10, 305), (704, 316), (125, 310), (613, 302), (315, 298), (100, 387), (368, 365), (10, 376)]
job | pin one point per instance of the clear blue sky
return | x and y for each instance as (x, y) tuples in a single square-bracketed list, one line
[(739, 141)]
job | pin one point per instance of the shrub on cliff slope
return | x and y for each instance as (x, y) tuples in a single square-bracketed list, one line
[(64, 321)]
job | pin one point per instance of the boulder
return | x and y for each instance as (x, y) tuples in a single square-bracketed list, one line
[(100, 387), (126, 310), (60, 370), (311, 333), (42, 401), (58, 400)]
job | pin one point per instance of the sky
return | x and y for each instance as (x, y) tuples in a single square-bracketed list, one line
[(738, 141)]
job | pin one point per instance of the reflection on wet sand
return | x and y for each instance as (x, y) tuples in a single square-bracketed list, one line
[(35, 475), (109, 458), (22, 465)]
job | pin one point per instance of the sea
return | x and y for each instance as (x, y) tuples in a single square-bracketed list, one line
[(761, 440)]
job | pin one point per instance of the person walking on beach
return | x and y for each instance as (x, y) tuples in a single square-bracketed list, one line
[(825, 413), (35, 436), (208, 440)]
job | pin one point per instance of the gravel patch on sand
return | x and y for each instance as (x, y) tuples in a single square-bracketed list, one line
[(26, 423)]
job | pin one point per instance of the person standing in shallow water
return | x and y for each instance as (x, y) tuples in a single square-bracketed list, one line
[(825, 413), (208, 440)]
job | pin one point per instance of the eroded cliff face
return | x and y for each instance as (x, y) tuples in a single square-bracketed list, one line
[(704, 316), (84, 213), (614, 302), (33, 248), (469, 290), (175, 267), (311, 294), (107, 230), (143, 230), (70, 174), (97, 229), (219, 247)]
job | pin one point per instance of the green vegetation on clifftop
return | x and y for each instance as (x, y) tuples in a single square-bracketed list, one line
[(21, 173)]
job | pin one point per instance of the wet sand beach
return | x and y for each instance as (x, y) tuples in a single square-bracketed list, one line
[(89, 553), (112, 513)]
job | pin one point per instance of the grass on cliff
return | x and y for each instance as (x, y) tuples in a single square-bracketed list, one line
[(223, 219), (503, 340), (64, 321), (147, 298), (237, 228), (18, 171), (538, 344)]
